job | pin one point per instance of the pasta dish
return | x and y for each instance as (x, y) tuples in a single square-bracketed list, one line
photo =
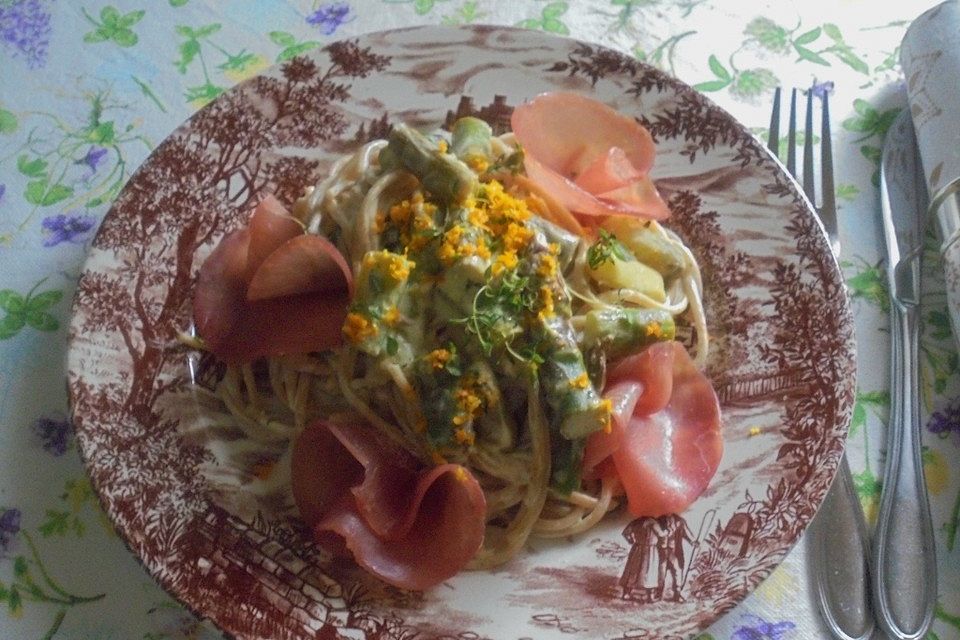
[(472, 339)]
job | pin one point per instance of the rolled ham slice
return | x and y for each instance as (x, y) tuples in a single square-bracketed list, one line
[(601, 445), (302, 264), (221, 288), (652, 369), (269, 289), (412, 528), (271, 225), (668, 451), (591, 158)]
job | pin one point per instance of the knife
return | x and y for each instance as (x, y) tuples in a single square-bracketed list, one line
[(904, 556)]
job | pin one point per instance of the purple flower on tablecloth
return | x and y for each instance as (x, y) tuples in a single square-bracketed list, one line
[(760, 629), (821, 89), (71, 227), (946, 422), (93, 159), (329, 16), (25, 30), (3, 191), (9, 527), (54, 434)]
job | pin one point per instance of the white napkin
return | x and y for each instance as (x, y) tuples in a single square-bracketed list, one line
[(930, 57)]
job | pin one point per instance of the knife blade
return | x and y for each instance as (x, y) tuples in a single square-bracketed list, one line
[(904, 571)]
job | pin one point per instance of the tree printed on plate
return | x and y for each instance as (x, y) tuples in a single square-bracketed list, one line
[(723, 270), (812, 337), (201, 181)]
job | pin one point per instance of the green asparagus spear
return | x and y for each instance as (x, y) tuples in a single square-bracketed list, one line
[(621, 331), (471, 137), (576, 410), (646, 244), (447, 178)]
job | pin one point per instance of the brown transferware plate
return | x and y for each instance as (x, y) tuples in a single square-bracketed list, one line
[(165, 463)]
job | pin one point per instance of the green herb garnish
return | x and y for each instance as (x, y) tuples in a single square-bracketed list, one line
[(606, 249)]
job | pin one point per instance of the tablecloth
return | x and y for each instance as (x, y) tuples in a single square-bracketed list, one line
[(88, 88)]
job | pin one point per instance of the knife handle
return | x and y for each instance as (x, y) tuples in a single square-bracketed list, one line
[(840, 554), (904, 555)]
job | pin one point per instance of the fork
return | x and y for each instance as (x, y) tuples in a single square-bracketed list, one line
[(839, 549)]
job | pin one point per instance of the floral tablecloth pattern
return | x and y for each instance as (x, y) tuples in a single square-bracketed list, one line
[(89, 87)]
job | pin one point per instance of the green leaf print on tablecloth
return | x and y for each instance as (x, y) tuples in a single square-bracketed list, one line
[(816, 46), (30, 310), (848, 192), (78, 497), (662, 55), (31, 581), (871, 122), (777, 39), (113, 27), (549, 19), (291, 47), (235, 66), (869, 282), (421, 7), (76, 160), (867, 482), (468, 13), (745, 84), (8, 121)]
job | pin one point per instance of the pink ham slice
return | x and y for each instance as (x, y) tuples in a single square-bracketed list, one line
[(271, 225), (601, 445), (288, 325), (411, 528), (640, 195), (219, 296), (667, 453), (302, 264), (293, 310), (652, 368), (588, 156), (611, 170), (568, 131)]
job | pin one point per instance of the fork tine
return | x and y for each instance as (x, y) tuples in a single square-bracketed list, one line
[(808, 183), (792, 136), (828, 210), (773, 140)]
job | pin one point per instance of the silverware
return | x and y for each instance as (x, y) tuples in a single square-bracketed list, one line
[(838, 534), (904, 556)]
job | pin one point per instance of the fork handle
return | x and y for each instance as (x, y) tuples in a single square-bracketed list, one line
[(904, 555), (840, 555)]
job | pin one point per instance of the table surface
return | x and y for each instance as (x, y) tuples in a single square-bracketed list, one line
[(89, 88)]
